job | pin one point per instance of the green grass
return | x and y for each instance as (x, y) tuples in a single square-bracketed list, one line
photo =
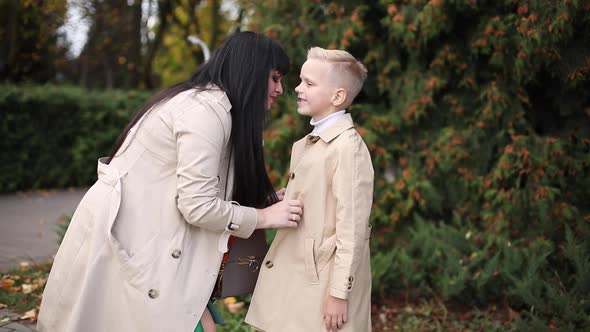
[(434, 315), (21, 288), (422, 316)]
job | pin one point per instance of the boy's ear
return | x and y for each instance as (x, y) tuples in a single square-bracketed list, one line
[(339, 97)]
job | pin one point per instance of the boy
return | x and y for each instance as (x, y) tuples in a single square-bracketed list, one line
[(317, 277)]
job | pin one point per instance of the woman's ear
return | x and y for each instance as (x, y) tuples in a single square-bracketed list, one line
[(339, 97)]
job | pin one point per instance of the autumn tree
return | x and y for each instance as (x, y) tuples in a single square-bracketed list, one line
[(144, 43), (177, 57), (111, 56), (31, 46)]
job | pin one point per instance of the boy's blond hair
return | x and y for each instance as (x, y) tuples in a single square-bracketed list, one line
[(351, 72)]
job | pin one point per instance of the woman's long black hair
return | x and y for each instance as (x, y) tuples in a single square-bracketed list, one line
[(240, 67)]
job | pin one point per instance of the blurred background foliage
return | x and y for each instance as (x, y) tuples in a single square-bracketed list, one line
[(128, 44), (476, 114)]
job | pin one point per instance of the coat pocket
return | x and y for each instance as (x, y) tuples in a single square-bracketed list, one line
[(311, 273), (315, 263), (135, 265), (325, 253), (137, 269)]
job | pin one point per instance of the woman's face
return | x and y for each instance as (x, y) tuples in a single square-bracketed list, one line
[(275, 87)]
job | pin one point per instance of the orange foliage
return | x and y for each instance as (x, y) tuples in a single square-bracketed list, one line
[(392, 9)]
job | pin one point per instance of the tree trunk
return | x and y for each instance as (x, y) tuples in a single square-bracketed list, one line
[(215, 21), (164, 10), (134, 53), (12, 33)]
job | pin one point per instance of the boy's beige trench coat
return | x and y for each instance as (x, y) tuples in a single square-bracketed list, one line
[(328, 253), (143, 249)]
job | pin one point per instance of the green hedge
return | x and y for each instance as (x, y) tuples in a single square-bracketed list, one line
[(52, 136)]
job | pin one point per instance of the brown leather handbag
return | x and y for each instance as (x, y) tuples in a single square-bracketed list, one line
[(240, 271), (243, 264)]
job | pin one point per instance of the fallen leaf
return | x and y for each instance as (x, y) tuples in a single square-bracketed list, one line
[(235, 308), (27, 288), (5, 319), (513, 315), (41, 282), (6, 283), (229, 300), (24, 266), (31, 314), (3, 306)]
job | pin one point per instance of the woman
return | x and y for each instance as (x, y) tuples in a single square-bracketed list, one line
[(143, 250)]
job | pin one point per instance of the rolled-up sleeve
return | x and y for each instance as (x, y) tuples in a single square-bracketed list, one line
[(353, 190), (200, 141)]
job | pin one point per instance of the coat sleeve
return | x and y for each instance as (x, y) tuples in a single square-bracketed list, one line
[(200, 141), (352, 186)]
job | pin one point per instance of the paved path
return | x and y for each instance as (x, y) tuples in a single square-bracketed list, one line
[(28, 224), (7, 325), (27, 233)]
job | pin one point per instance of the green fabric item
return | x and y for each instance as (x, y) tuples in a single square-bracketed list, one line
[(217, 317), (199, 328)]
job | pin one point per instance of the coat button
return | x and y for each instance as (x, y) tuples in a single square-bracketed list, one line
[(291, 175), (269, 264), (153, 293), (176, 253), (351, 279)]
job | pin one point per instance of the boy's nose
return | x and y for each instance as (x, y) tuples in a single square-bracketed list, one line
[(297, 89)]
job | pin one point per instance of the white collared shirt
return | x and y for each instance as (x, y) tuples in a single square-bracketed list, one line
[(326, 122)]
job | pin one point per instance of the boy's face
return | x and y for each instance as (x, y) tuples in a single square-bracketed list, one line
[(315, 92)]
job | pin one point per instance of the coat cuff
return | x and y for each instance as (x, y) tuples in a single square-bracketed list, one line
[(341, 285), (247, 225), (339, 293), (242, 225)]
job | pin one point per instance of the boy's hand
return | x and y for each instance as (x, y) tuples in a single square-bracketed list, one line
[(335, 313), (281, 193)]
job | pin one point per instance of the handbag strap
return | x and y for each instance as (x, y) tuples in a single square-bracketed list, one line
[(218, 284), (227, 173)]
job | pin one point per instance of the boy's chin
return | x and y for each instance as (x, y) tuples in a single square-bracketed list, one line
[(302, 111)]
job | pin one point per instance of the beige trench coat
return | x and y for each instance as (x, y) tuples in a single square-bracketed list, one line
[(329, 251), (143, 249)]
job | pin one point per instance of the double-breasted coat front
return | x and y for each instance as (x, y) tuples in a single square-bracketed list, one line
[(328, 253), (144, 246)]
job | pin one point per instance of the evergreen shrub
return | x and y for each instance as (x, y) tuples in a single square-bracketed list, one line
[(477, 116)]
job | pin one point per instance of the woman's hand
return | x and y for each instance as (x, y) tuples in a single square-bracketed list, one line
[(286, 213), (281, 193)]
